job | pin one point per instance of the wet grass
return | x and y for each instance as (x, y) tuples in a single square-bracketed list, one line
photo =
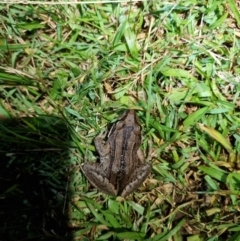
[(68, 71)]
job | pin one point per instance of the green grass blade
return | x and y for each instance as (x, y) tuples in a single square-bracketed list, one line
[(235, 9)]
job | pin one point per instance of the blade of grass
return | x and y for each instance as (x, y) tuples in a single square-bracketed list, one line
[(235, 10)]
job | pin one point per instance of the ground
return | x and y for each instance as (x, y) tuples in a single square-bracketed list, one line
[(68, 71)]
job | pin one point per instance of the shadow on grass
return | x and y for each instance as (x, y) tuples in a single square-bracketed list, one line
[(34, 173)]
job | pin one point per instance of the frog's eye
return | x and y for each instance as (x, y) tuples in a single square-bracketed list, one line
[(137, 130), (119, 125)]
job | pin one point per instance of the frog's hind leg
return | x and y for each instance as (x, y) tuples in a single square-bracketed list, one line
[(137, 178), (95, 175)]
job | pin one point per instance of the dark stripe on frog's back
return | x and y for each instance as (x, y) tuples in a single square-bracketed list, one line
[(112, 131), (134, 158), (126, 136), (119, 154), (112, 135), (113, 155), (124, 176), (121, 175)]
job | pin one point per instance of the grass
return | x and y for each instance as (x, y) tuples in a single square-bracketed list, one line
[(68, 71)]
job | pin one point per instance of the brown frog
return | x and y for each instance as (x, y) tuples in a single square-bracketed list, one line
[(121, 169)]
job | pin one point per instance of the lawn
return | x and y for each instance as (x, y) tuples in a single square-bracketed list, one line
[(68, 71)]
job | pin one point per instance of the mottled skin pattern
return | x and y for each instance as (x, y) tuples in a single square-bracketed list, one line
[(121, 169)]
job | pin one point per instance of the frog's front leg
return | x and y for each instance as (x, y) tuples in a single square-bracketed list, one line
[(103, 148), (138, 176)]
